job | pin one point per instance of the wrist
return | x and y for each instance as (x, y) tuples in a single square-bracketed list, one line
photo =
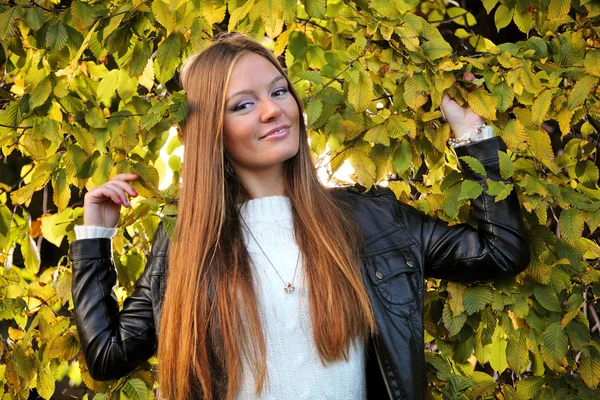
[(481, 132)]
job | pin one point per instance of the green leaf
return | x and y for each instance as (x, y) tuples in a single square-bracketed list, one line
[(95, 118), (40, 93), (161, 11), (555, 345), (56, 36), (498, 350), (271, 14), (558, 9), (581, 90), (503, 16), (540, 107), (402, 157), (8, 21), (571, 224), (579, 334), (489, 5), (102, 167), (450, 201), (469, 190), (167, 57), (474, 164), (128, 130), (523, 20), (517, 352), (179, 107), (31, 254), (83, 14), (126, 85), (313, 111), (592, 62), (476, 298), (483, 384), (360, 91), (436, 48), (547, 297), (107, 87), (139, 58), (503, 95), (483, 103), (506, 165), (452, 323), (589, 365), (34, 18), (316, 8), (529, 387), (61, 191), (378, 134), (239, 13), (136, 389), (499, 190)]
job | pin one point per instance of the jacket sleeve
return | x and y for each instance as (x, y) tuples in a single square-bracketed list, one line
[(498, 247), (114, 342)]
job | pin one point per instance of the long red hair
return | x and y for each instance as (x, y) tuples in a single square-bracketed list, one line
[(210, 321)]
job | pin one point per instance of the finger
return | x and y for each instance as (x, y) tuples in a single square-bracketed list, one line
[(126, 187), (122, 195), (103, 193), (126, 177)]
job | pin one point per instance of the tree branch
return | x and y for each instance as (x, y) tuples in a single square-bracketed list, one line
[(362, 53)]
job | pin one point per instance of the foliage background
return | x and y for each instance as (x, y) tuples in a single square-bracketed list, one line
[(90, 89)]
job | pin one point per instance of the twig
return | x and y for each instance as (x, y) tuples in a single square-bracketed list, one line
[(557, 222), (308, 21), (17, 127), (363, 52)]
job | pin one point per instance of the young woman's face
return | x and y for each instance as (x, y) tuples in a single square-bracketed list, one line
[(261, 121)]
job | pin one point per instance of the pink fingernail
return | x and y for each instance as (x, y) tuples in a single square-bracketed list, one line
[(135, 193)]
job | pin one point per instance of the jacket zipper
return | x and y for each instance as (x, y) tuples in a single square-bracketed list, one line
[(387, 386)]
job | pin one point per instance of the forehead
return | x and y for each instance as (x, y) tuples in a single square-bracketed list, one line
[(251, 70)]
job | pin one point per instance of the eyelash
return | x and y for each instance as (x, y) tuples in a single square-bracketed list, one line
[(239, 107)]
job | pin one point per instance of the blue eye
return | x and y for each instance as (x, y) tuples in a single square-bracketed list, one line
[(242, 106), (279, 92)]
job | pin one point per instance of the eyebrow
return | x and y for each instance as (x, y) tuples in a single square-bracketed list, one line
[(250, 91)]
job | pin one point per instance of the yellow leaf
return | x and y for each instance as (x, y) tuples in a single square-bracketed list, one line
[(592, 62), (540, 107), (415, 91), (514, 134), (483, 103), (581, 90), (558, 8)]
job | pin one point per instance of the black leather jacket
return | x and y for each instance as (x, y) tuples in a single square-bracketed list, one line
[(402, 246)]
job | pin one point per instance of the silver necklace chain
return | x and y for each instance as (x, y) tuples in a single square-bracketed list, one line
[(288, 287)]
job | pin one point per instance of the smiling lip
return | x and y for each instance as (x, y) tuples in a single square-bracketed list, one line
[(279, 132)]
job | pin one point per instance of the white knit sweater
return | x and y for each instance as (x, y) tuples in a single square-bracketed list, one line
[(294, 368)]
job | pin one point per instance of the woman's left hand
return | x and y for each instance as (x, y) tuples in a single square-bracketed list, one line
[(462, 120)]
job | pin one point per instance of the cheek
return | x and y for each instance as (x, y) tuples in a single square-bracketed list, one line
[(237, 138)]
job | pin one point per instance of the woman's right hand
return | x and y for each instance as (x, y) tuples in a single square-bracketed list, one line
[(102, 204)]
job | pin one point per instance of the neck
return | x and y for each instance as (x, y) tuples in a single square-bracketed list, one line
[(263, 183)]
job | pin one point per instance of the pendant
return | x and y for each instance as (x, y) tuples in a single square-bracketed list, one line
[(289, 288)]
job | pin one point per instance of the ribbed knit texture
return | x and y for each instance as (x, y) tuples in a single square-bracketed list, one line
[(295, 370)]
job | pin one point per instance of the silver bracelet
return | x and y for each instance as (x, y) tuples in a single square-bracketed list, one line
[(482, 132)]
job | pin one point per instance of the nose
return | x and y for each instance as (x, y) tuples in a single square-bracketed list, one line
[(270, 110)]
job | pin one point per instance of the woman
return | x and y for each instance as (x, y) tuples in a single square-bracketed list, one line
[(278, 287)]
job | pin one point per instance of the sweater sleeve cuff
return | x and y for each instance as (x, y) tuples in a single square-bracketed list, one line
[(94, 232)]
